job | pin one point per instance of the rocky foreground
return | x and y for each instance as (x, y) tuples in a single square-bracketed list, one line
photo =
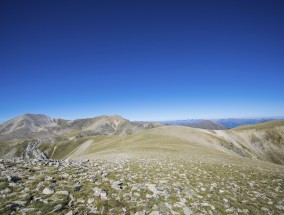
[(142, 186)]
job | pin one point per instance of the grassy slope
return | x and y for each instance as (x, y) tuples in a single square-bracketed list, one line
[(9, 149), (180, 141), (174, 141)]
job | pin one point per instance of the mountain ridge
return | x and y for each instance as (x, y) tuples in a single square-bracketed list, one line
[(40, 125)]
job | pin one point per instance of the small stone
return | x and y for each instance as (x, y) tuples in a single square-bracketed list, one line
[(62, 192), (71, 197), (69, 213), (57, 208), (77, 187), (204, 204), (14, 178), (19, 203), (12, 184), (48, 178), (32, 178), (280, 207), (97, 191), (27, 210), (91, 200), (230, 210), (81, 201), (48, 191), (152, 188), (187, 211), (140, 213), (264, 209), (7, 190), (65, 175), (103, 195)]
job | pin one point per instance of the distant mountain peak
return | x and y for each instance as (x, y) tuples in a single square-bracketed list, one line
[(27, 123), (39, 125)]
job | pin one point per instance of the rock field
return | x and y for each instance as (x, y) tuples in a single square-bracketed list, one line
[(141, 186)]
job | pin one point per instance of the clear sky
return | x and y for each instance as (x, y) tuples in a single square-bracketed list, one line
[(144, 60)]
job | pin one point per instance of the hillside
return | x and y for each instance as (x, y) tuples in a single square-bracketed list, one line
[(266, 144)]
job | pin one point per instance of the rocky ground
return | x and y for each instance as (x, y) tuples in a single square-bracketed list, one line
[(138, 186)]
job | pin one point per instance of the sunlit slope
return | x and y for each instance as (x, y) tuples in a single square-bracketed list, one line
[(162, 141), (264, 141)]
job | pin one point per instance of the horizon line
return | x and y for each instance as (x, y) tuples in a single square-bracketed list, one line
[(145, 120)]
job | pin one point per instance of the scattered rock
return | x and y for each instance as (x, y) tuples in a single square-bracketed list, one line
[(48, 191)]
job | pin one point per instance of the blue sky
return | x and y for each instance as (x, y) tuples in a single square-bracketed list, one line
[(144, 60)]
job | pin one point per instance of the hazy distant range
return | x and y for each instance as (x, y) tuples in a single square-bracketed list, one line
[(218, 124)]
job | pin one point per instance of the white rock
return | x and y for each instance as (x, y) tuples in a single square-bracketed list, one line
[(280, 207), (91, 200), (63, 192), (57, 208), (48, 191), (187, 211), (20, 203), (27, 210)]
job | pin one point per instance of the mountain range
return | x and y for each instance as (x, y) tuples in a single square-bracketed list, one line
[(39, 125), (38, 135)]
